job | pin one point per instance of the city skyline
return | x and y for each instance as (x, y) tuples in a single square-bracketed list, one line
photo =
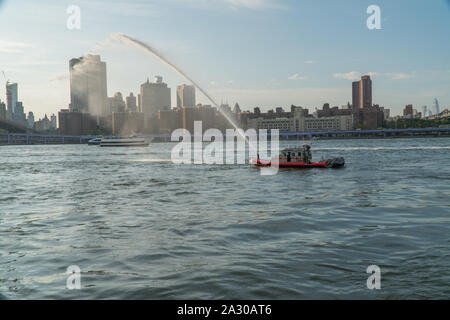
[(407, 58)]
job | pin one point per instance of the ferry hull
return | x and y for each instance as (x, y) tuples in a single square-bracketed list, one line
[(107, 145), (124, 143)]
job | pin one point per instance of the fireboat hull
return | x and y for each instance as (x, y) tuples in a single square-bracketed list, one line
[(330, 163)]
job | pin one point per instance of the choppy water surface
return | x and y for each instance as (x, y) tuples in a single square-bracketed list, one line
[(139, 226)]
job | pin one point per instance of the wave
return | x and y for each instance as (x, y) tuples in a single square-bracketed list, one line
[(383, 148)]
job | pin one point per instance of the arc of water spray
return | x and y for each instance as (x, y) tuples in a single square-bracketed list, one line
[(151, 50), (148, 49)]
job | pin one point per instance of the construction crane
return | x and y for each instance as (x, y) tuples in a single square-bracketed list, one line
[(4, 76)]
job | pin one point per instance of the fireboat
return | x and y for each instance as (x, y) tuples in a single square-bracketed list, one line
[(299, 157)]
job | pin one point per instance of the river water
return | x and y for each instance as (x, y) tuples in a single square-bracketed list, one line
[(140, 227)]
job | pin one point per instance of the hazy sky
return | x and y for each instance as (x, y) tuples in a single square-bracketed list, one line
[(263, 53)]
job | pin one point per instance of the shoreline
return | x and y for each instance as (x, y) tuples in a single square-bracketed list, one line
[(76, 140)]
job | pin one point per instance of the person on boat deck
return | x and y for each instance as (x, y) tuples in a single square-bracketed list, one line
[(306, 153), (289, 157)]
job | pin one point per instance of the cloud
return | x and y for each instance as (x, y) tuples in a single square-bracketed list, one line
[(60, 78), (36, 63), (230, 81), (373, 74), (236, 4), (12, 46), (296, 76), (310, 61), (213, 83), (352, 75), (255, 4), (355, 75), (123, 8), (400, 76)]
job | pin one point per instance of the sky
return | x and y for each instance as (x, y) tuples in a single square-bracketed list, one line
[(264, 53)]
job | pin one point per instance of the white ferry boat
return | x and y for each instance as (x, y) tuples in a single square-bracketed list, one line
[(95, 141)]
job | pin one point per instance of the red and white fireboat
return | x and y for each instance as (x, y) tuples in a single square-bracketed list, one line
[(298, 158)]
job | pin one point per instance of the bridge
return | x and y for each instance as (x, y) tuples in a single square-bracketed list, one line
[(11, 126), (29, 138), (351, 133)]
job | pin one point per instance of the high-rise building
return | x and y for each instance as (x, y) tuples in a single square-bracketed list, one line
[(185, 96), (386, 113), (362, 93), (126, 123), (116, 103), (30, 120), (88, 87), (368, 118), (139, 102), (131, 103), (408, 112), (355, 94), (19, 114), (11, 97), (170, 120), (53, 121), (154, 97), (436, 106), (76, 123), (424, 113), (204, 113), (2, 110), (365, 92), (236, 108), (43, 124)]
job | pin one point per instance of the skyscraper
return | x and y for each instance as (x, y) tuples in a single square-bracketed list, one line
[(362, 93), (19, 114), (365, 92), (11, 97), (88, 87), (408, 112), (236, 108), (436, 106), (53, 121), (131, 103), (154, 97), (185, 96), (355, 94), (116, 103), (30, 120), (2, 110)]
